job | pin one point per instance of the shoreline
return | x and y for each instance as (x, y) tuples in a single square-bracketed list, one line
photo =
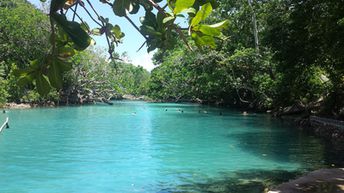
[(17, 106), (14, 105)]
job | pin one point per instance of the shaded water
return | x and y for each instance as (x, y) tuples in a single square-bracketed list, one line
[(150, 147)]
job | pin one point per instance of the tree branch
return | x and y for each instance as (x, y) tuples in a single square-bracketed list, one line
[(94, 10), (77, 15), (76, 8), (135, 26), (89, 14), (131, 22), (141, 46), (180, 33)]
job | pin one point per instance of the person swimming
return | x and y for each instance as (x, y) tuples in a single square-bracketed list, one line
[(244, 113)]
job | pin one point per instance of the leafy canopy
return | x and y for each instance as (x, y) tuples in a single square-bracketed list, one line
[(158, 27)]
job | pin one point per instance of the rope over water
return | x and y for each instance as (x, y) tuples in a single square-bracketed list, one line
[(5, 124)]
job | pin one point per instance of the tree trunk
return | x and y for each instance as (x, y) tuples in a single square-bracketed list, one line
[(255, 26)]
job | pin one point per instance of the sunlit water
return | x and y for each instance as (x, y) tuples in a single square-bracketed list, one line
[(144, 147)]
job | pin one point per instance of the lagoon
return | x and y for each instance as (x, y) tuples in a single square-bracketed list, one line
[(150, 147)]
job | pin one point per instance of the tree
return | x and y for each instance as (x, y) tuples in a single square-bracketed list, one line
[(234, 73), (130, 79), (83, 80), (24, 33), (308, 38), (93, 78), (3, 91), (158, 29)]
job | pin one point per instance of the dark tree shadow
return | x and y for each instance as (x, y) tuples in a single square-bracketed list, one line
[(256, 181), (288, 146)]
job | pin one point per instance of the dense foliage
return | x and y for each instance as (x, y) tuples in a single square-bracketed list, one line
[(308, 39), (70, 33), (24, 33), (238, 72), (3, 91), (94, 78), (278, 53)]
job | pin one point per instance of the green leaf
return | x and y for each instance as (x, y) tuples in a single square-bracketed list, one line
[(341, 22), (149, 30), (220, 25), (24, 80), (136, 8), (202, 14), (203, 40), (96, 31), (42, 85), (160, 21), (146, 5), (181, 5), (65, 52), (60, 38), (35, 65), (55, 75), (171, 4), (23, 76), (214, 3), (19, 72), (55, 5), (116, 30), (64, 66), (151, 46), (206, 29), (150, 19), (190, 10), (167, 19), (85, 26), (180, 15), (120, 7), (74, 31)]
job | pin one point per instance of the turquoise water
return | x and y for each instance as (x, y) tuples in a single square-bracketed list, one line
[(144, 147)]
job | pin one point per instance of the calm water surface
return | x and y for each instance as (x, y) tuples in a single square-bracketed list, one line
[(145, 147)]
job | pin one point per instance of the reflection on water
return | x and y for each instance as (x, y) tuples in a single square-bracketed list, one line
[(151, 147)]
